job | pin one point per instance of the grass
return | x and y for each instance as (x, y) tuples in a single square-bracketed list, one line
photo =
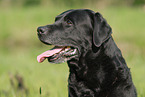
[(20, 47)]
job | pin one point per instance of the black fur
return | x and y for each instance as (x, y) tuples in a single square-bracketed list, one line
[(100, 70)]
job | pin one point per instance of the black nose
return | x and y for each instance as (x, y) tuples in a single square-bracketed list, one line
[(40, 30)]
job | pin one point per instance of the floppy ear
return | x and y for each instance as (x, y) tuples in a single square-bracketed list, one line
[(102, 30)]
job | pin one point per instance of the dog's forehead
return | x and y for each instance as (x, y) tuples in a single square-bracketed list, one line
[(77, 14)]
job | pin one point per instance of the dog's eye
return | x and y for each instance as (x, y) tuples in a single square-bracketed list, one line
[(69, 22)]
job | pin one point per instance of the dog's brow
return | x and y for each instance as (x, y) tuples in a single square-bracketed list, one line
[(57, 17), (66, 17)]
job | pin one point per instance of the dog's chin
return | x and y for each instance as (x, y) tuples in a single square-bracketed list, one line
[(58, 54)]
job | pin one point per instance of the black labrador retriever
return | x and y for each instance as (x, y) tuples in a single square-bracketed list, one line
[(83, 39)]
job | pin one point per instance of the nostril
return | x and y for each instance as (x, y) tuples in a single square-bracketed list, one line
[(40, 30)]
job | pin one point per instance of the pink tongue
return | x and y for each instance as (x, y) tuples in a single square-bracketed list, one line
[(41, 57)]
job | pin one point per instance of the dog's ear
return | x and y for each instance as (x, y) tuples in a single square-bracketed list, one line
[(102, 31)]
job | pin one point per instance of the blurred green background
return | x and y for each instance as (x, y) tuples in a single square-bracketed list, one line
[(20, 73)]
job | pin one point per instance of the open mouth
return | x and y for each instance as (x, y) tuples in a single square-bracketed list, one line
[(58, 54)]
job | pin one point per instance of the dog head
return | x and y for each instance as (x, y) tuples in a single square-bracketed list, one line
[(73, 32)]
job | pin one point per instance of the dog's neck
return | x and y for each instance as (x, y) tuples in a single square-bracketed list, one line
[(99, 54), (83, 67)]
